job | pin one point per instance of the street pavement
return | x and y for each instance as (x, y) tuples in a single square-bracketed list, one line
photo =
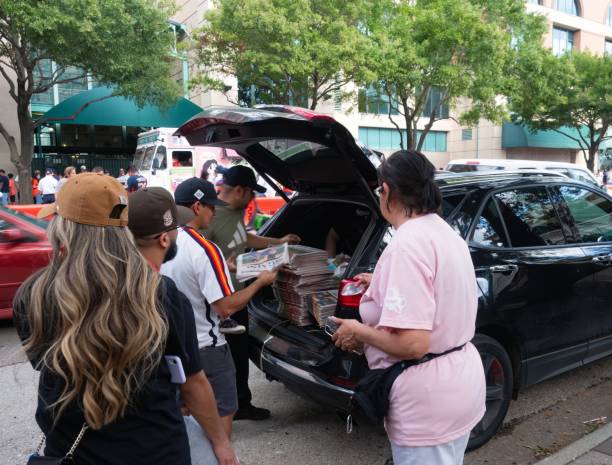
[(546, 418)]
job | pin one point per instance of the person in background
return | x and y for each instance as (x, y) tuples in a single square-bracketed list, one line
[(36, 195), (69, 172), (434, 405), (92, 323), (4, 187), (121, 172), (123, 177), (83, 169), (135, 181), (153, 219), (228, 231), (98, 170), (201, 273), (13, 189), (48, 186), (604, 177)]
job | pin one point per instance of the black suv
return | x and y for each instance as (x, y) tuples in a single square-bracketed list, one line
[(541, 247)]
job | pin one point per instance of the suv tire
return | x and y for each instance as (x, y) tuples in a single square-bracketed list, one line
[(498, 375)]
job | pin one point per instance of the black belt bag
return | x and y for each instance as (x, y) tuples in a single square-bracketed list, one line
[(371, 395)]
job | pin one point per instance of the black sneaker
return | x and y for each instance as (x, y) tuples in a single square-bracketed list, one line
[(229, 326), (250, 412)]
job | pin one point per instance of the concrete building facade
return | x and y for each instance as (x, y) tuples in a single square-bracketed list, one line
[(572, 24)]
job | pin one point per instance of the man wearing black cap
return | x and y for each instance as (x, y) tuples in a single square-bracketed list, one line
[(153, 219), (228, 231), (201, 273)]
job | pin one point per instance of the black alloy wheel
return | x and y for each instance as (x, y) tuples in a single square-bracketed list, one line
[(498, 375)]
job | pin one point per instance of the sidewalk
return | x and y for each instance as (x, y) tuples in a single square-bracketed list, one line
[(593, 449)]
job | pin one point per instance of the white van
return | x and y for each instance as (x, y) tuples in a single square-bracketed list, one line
[(166, 160), (482, 164)]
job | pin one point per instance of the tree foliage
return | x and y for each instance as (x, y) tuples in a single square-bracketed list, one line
[(570, 94), (290, 50), (463, 47), (125, 43)]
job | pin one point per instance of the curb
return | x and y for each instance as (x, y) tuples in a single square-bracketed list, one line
[(578, 448)]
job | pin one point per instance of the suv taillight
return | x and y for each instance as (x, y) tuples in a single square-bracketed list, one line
[(350, 293)]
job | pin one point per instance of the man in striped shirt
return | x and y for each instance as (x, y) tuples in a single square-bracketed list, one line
[(200, 272)]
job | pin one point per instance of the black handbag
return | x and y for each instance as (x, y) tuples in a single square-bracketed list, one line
[(37, 459), (371, 394)]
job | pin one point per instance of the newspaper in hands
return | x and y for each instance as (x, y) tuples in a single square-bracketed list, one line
[(250, 265)]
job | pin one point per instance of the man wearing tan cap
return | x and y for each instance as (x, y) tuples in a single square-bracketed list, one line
[(153, 219)]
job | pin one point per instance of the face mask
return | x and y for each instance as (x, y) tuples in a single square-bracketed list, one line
[(172, 251)]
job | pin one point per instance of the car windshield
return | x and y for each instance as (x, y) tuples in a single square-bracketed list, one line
[(22, 216)]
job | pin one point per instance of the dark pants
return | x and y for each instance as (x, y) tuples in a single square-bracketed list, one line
[(239, 344), (48, 198)]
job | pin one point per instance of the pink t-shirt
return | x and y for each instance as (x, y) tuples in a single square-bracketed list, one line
[(425, 280)]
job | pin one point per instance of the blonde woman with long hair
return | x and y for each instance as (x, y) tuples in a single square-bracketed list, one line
[(92, 323)]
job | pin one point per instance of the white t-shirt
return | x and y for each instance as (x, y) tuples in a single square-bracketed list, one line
[(48, 185), (200, 272)]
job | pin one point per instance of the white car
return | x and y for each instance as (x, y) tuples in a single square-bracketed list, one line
[(571, 170)]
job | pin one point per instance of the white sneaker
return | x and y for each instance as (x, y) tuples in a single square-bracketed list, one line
[(229, 326)]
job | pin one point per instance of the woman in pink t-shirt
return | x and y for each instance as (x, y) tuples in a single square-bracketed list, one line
[(421, 299)]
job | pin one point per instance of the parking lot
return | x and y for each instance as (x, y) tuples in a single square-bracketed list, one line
[(545, 418)]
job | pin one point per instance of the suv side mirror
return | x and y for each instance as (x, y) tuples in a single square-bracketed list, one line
[(13, 237)]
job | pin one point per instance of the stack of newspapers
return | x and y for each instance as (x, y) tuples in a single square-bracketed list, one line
[(306, 274), (323, 305)]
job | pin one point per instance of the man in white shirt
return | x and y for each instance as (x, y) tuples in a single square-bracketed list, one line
[(48, 186), (201, 273)]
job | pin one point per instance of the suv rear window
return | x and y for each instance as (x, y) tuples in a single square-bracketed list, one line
[(592, 213), (530, 217), (295, 151)]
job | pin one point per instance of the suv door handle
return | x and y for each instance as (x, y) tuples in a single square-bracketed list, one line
[(503, 268), (603, 260)]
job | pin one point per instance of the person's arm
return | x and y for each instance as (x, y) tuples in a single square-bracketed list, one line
[(200, 400), (404, 344), (227, 306), (330, 243), (261, 242)]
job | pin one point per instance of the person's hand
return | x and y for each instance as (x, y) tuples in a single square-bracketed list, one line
[(291, 239), (345, 336), (225, 453), (185, 411), (266, 278), (365, 279), (231, 262)]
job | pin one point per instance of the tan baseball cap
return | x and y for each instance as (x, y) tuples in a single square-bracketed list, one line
[(89, 198)]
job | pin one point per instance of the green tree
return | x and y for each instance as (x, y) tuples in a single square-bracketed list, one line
[(290, 50), (570, 94), (461, 48), (123, 42)]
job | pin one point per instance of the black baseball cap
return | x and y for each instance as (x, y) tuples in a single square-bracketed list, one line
[(240, 175), (197, 190), (151, 211)]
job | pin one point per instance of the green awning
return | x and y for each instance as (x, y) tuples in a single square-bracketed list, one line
[(99, 109), (517, 136)]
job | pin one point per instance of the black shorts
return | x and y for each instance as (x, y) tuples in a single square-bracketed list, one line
[(218, 365)]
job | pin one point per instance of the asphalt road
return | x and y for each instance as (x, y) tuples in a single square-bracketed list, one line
[(545, 418)]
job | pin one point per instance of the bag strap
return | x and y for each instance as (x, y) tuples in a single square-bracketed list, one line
[(75, 444), (426, 358)]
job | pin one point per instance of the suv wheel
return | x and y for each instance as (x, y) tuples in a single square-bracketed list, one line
[(498, 375)]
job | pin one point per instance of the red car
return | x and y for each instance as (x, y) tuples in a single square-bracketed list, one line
[(24, 248)]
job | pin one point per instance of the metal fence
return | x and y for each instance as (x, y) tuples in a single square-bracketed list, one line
[(60, 162)]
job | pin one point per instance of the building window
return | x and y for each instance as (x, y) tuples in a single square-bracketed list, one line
[(42, 75), (535, 2), (609, 18), (567, 6), (389, 139), (466, 134), (433, 100), (563, 41), (71, 88), (608, 47), (374, 102)]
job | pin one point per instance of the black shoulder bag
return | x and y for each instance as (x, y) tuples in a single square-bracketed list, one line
[(371, 395), (36, 459)]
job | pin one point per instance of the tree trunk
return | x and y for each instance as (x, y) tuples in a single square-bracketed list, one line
[(23, 161), (590, 161)]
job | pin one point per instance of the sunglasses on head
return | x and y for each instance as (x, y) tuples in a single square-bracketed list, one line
[(379, 190)]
